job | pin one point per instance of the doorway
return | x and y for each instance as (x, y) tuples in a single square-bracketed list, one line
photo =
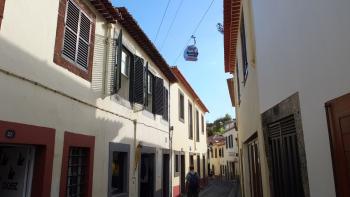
[(165, 177), (182, 175), (254, 168), (16, 170), (199, 165), (338, 115), (147, 175)]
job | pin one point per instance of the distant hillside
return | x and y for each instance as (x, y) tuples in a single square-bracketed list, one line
[(217, 127)]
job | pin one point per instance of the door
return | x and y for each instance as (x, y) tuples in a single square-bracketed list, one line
[(16, 170), (199, 165), (338, 114), (283, 144), (147, 175), (165, 177), (254, 169), (183, 184)]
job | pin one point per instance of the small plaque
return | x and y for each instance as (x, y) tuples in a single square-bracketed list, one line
[(10, 134)]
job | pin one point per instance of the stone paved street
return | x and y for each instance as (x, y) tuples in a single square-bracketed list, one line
[(220, 189)]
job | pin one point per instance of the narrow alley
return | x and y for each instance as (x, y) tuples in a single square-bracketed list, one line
[(218, 188)]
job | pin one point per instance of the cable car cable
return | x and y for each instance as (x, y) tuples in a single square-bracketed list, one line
[(171, 25), (195, 29), (160, 25)]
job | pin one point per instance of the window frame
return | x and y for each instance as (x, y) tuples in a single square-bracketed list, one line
[(124, 148), (82, 141), (190, 121), (2, 9), (202, 119), (181, 106), (58, 57), (128, 55)]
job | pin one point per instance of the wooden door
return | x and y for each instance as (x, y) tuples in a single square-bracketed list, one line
[(338, 115), (254, 169), (285, 168)]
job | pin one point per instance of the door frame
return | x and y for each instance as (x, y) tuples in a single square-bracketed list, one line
[(337, 148), (44, 141)]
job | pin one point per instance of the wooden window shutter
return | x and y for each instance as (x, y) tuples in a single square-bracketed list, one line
[(76, 36), (138, 80), (117, 67), (71, 31), (158, 96), (166, 104), (84, 41), (145, 86)]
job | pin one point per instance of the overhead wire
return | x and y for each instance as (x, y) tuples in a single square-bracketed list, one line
[(171, 25), (196, 28), (160, 25)]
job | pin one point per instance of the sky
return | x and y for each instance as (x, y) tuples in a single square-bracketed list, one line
[(206, 76)]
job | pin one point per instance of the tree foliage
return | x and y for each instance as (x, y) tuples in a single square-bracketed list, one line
[(217, 127)]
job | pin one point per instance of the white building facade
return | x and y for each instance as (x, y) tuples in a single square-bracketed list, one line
[(189, 141), (295, 56), (81, 102)]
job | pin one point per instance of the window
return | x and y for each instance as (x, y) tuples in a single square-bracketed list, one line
[(216, 153), (238, 85), (244, 48), (181, 106), (2, 7), (77, 165), (125, 81), (119, 172), (76, 185), (202, 123), (226, 142), (222, 150), (125, 64), (150, 80), (75, 37), (190, 121), (211, 150), (220, 155), (197, 126)]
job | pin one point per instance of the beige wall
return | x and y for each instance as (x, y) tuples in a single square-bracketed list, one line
[(247, 112), (181, 141), (27, 40)]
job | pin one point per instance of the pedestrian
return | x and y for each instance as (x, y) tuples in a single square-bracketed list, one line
[(192, 182)]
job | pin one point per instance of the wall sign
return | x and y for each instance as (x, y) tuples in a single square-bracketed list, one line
[(10, 134)]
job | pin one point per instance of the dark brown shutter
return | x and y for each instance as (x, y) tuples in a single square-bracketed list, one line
[(145, 93), (71, 31), (158, 96), (138, 80), (166, 104), (117, 67)]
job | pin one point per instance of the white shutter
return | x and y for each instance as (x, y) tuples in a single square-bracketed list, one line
[(77, 35)]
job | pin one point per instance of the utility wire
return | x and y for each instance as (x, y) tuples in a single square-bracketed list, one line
[(195, 29), (171, 25), (160, 25)]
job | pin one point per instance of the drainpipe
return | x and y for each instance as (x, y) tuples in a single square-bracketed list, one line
[(171, 129), (107, 43)]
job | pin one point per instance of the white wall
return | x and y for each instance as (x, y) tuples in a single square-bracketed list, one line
[(304, 46), (27, 40)]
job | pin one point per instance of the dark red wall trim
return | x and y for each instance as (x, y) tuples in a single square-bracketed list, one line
[(77, 140), (44, 141), (2, 7)]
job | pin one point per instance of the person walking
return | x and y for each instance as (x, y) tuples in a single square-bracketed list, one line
[(192, 182)]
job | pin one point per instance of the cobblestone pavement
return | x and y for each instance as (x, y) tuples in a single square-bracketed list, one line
[(219, 189)]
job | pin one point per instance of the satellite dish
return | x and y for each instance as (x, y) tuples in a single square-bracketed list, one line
[(191, 51)]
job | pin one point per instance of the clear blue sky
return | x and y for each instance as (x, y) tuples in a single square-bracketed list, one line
[(207, 75)]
